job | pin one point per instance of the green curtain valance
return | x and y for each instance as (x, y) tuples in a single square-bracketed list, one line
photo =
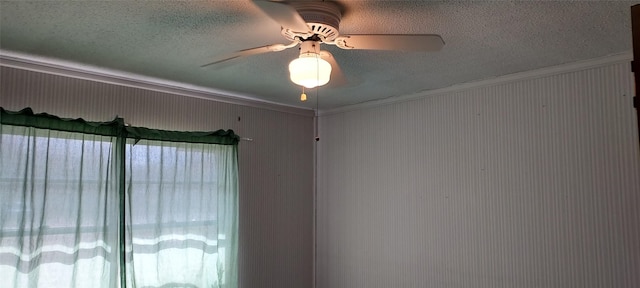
[(26, 117), (116, 127), (220, 137)]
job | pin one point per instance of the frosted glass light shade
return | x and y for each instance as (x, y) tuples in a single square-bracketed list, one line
[(309, 70)]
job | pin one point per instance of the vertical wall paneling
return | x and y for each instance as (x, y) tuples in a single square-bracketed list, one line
[(527, 183), (276, 168)]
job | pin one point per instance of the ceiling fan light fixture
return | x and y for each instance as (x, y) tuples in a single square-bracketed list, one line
[(310, 70)]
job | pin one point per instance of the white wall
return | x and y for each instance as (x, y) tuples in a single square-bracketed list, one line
[(276, 168), (522, 182)]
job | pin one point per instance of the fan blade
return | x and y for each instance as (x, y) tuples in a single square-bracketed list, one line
[(402, 42), (284, 14), (337, 77), (248, 52)]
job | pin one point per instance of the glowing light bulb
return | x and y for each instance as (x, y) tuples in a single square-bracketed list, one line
[(309, 70)]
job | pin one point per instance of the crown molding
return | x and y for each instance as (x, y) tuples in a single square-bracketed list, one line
[(532, 74), (98, 74), (92, 73)]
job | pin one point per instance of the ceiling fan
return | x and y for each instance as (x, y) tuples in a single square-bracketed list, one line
[(310, 24)]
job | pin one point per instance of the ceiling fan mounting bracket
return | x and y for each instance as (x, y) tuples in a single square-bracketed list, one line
[(342, 43)]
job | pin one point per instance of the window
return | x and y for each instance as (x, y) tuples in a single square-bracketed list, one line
[(70, 218)]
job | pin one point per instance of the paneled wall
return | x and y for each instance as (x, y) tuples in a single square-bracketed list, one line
[(276, 168), (528, 182)]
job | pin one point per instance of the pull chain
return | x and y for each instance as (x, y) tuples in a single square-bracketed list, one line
[(303, 97)]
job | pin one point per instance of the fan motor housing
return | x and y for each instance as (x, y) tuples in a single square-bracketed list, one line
[(323, 19)]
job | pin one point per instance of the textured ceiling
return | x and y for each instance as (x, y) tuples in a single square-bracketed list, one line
[(170, 40)]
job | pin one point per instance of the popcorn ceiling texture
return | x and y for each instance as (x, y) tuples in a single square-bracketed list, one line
[(170, 40)]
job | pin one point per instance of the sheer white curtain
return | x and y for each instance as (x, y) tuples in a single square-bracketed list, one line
[(58, 198), (181, 214)]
